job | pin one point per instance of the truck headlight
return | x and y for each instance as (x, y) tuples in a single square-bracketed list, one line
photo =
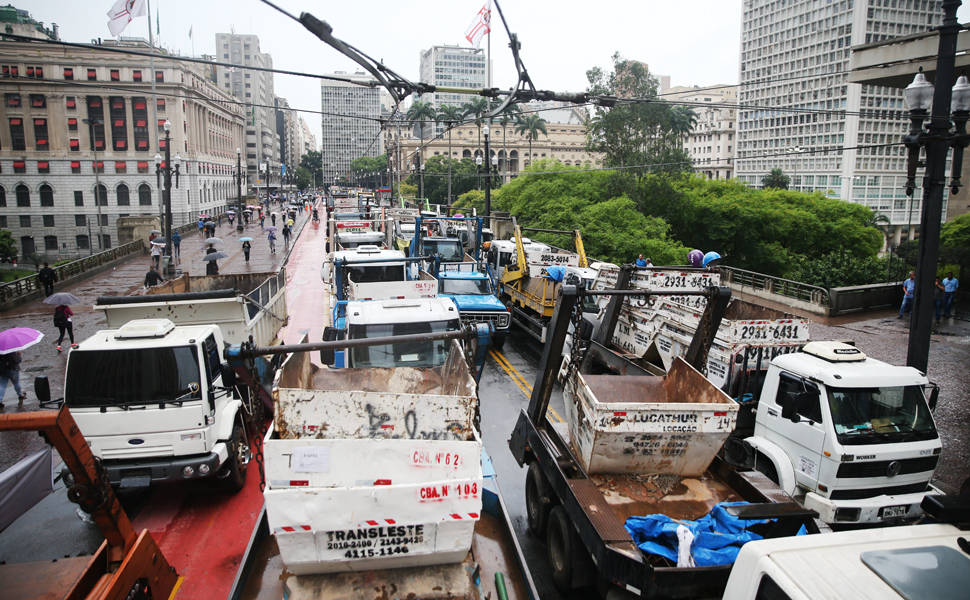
[(203, 469), (186, 437), (188, 471)]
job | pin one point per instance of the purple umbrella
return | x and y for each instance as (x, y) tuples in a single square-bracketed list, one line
[(18, 338)]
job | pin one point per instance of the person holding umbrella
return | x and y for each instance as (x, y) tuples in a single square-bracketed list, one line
[(176, 243), (247, 245), (63, 315), (12, 342), (156, 253)]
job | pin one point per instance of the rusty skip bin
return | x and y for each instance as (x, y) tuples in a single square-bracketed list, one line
[(650, 425)]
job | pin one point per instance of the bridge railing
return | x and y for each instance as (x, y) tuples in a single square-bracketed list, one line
[(810, 297), (13, 292)]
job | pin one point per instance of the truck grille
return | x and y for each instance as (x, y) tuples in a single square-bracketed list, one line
[(911, 488), (880, 468), (500, 319)]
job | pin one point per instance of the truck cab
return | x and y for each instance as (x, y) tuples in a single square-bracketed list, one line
[(852, 437), (474, 294), (380, 318), (151, 400)]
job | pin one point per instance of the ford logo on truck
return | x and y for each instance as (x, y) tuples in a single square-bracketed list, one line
[(136, 441)]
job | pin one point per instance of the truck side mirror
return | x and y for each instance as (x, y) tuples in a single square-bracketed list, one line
[(327, 354), (42, 388), (934, 398), (788, 408), (228, 375)]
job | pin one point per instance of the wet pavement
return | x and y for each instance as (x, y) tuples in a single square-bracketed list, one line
[(124, 278)]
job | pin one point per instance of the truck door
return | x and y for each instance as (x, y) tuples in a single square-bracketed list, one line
[(802, 440)]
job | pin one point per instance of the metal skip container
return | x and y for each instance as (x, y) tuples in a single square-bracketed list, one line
[(649, 425), (373, 468)]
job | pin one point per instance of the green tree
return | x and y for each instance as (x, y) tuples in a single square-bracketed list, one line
[(8, 248), (529, 126), (450, 115), (312, 161), (420, 113), (955, 243), (476, 109), (776, 179), (472, 199), (370, 170), (643, 132), (464, 176), (303, 178)]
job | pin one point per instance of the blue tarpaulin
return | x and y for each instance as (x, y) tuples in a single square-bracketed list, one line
[(714, 539), (555, 273)]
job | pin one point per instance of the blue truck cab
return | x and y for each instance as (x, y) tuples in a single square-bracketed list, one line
[(474, 294)]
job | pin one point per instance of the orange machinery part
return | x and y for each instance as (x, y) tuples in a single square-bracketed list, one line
[(126, 558)]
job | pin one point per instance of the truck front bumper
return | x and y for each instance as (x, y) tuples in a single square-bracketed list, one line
[(877, 509), (141, 473)]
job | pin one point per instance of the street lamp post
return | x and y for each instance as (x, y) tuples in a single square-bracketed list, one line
[(97, 185), (920, 96), (164, 174), (267, 183), (239, 204)]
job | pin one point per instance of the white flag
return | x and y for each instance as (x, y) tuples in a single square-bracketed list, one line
[(123, 12), (479, 26)]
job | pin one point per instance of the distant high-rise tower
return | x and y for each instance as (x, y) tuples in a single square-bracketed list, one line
[(795, 57), (255, 89), (356, 132), (452, 66)]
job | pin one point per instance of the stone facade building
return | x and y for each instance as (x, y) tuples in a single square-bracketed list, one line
[(710, 143), (48, 171)]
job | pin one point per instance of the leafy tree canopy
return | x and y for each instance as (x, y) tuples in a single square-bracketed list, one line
[(303, 178), (312, 161), (464, 177), (8, 248), (776, 179)]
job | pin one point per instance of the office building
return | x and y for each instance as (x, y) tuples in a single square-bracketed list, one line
[(452, 66), (799, 113), (710, 143), (255, 89), (80, 123), (350, 124)]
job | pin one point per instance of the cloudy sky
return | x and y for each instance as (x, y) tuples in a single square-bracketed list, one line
[(696, 43)]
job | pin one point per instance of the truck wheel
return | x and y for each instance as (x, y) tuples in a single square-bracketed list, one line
[(767, 467), (537, 500), (571, 566), (234, 471), (498, 340)]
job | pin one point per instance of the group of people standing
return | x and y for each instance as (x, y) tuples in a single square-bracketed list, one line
[(944, 293)]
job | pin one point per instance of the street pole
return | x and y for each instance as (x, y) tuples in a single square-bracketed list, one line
[(168, 197), (934, 181), (488, 175), (420, 176), (97, 185), (267, 182), (239, 204)]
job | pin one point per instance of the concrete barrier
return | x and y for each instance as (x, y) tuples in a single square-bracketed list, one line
[(857, 298)]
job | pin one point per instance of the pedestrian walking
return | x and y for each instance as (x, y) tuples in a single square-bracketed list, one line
[(246, 247), (201, 225), (63, 320), (10, 373), (272, 218), (909, 287), (950, 286), (152, 278), (262, 219), (176, 244), (272, 241), (938, 299), (231, 216), (47, 276), (286, 236), (156, 254), (211, 268)]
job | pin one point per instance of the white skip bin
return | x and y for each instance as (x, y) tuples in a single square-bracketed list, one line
[(373, 468), (650, 425)]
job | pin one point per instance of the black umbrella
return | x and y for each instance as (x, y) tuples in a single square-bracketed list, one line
[(215, 256)]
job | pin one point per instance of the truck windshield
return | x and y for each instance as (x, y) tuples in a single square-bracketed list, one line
[(131, 377), (412, 354), (464, 286), (375, 273), (874, 415), (448, 250)]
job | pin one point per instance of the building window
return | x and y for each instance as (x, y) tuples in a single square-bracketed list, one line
[(75, 145), (25, 220), (144, 195), (97, 166), (160, 104), (71, 103), (105, 239), (18, 140), (12, 100), (139, 115), (19, 166), (48, 220), (40, 134), (96, 122), (82, 242), (78, 198), (143, 166), (38, 101), (123, 198), (43, 166), (115, 75), (104, 221), (72, 124), (23, 195), (3, 221), (46, 195), (136, 75), (92, 74), (75, 166), (159, 76), (119, 124), (80, 220), (121, 166), (3, 196), (50, 242), (68, 73), (101, 195)]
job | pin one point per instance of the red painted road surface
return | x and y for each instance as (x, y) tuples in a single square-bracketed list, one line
[(306, 294)]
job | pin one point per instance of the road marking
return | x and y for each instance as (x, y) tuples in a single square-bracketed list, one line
[(518, 379), (175, 589)]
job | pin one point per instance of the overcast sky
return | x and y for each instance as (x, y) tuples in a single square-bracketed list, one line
[(696, 42)]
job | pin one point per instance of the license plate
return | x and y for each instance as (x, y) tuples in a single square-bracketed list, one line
[(892, 512)]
